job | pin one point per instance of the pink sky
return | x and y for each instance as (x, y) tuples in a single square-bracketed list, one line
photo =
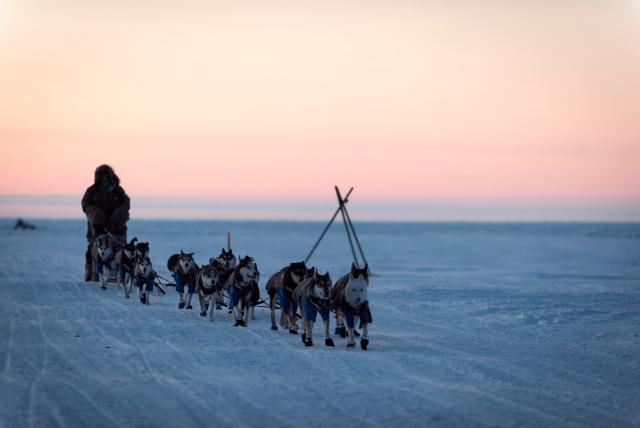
[(534, 103)]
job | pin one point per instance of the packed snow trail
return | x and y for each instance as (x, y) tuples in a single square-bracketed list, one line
[(474, 325)]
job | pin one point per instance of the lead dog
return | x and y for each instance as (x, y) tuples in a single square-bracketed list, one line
[(125, 260), (243, 289), (102, 254), (314, 295), (184, 270), (280, 288), (208, 286), (349, 298)]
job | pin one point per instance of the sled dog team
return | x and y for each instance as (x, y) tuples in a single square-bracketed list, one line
[(294, 288)]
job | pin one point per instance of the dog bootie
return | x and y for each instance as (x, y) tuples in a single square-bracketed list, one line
[(189, 307), (364, 343), (343, 332), (143, 299), (308, 342), (274, 327), (329, 342), (203, 314), (181, 305), (240, 323), (351, 345), (292, 331), (304, 338), (336, 330)]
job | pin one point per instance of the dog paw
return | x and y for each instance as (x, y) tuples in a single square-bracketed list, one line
[(329, 342), (274, 327), (308, 342), (364, 343), (351, 345), (292, 331)]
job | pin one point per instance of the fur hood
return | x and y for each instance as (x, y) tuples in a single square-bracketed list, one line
[(106, 169)]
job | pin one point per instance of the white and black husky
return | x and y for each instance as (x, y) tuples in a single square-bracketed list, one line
[(184, 270), (208, 287), (144, 276), (314, 295), (103, 252), (243, 289), (349, 298), (226, 262), (126, 260), (280, 288)]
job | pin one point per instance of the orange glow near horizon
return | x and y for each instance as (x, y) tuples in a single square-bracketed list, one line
[(402, 100)]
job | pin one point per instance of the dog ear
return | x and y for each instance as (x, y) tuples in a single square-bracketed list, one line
[(354, 269), (133, 241)]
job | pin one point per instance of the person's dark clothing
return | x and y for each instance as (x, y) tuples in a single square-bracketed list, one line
[(106, 207)]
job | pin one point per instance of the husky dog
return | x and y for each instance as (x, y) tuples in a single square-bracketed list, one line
[(125, 263), (281, 286), (208, 287), (142, 250), (349, 298), (144, 279), (102, 253), (184, 270), (314, 295), (226, 261), (243, 289)]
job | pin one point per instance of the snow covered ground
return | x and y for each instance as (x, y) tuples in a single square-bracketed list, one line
[(474, 325)]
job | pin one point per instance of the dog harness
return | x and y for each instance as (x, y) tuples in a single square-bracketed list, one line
[(287, 304), (313, 305), (349, 312), (183, 279), (145, 282), (100, 264)]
